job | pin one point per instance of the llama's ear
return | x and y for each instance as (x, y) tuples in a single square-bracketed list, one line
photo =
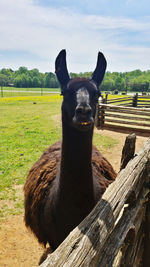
[(61, 69), (99, 72)]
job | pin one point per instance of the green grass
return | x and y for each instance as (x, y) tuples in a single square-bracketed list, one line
[(26, 130), (104, 143)]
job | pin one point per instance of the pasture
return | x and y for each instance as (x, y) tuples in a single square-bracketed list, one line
[(28, 125)]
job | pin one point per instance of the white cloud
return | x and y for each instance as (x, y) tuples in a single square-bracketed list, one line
[(44, 31)]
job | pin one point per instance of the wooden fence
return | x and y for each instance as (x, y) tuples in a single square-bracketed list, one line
[(117, 231), (143, 101), (129, 101), (124, 119)]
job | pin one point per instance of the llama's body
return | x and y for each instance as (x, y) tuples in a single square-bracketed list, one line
[(64, 185), (40, 195)]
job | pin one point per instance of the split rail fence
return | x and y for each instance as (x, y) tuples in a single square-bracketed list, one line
[(126, 115), (129, 101), (117, 231)]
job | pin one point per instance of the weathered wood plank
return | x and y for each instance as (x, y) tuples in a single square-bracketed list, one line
[(129, 117), (117, 101), (85, 243), (126, 104), (123, 237), (137, 112), (120, 98), (128, 150), (128, 122), (144, 105), (128, 130), (97, 116), (124, 108)]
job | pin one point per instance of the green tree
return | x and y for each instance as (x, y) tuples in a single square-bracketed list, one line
[(47, 81), (35, 82), (22, 70), (3, 79), (119, 84)]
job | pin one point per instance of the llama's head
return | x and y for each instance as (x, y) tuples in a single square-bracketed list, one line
[(80, 95)]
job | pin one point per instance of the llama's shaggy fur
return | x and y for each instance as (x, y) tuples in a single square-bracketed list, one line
[(70, 177)]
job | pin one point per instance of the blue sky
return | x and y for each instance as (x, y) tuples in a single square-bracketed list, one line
[(34, 31), (131, 8)]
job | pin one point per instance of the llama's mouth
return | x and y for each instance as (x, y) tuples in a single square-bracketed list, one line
[(85, 123)]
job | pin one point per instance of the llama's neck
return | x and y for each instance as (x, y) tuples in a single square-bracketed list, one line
[(76, 150), (76, 171)]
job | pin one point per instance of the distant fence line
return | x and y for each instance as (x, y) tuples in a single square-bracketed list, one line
[(126, 115), (8, 92)]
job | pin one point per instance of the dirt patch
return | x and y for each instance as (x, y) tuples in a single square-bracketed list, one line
[(18, 247)]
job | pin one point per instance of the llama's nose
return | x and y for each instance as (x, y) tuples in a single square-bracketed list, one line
[(83, 111)]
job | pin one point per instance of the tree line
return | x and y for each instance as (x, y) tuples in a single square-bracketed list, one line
[(24, 78), (136, 80)]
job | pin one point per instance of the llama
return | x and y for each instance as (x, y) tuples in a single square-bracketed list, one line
[(67, 181)]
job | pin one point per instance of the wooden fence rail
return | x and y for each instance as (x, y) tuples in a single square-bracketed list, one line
[(124, 119), (117, 231), (126, 101)]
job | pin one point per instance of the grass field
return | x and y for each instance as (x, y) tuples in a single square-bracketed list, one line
[(26, 130)]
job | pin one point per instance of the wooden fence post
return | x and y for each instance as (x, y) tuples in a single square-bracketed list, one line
[(128, 150), (97, 116), (135, 100), (106, 96), (102, 113)]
